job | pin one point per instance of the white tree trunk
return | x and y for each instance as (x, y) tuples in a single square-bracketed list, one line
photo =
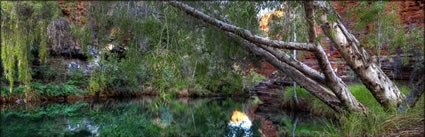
[(332, 80), (382, 88)]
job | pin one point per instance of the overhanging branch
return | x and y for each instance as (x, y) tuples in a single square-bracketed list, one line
[(282, 56), (306, 82), (246, 34)]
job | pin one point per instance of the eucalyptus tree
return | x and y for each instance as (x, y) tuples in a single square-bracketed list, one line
[(383, 89), (387, 30), (339, 98)]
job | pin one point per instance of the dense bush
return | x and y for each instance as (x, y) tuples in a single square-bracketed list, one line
[(51, 89), (135, 50), (64, 89)]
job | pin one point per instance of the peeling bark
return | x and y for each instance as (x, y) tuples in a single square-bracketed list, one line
[(332, 80), (382, 88)]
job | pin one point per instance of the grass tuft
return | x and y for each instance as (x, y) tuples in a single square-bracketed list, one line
[(377, 122)]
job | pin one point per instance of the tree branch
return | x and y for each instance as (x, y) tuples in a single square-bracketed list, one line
[(309, 84), (246, 34), (282, 56), (333, 81)]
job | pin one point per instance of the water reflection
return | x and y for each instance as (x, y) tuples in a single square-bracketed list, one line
[(294, 125), (240, 121), (150, 117), (84, 125)]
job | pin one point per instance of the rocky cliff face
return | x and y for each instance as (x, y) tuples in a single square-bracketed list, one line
[(75, 11), (410, 12)]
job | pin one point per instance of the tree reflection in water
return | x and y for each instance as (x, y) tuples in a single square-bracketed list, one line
[(147, 117)]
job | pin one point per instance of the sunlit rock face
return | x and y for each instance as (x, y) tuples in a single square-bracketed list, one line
[(240, 123)]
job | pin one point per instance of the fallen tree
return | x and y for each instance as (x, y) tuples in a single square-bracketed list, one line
[(372, 76)]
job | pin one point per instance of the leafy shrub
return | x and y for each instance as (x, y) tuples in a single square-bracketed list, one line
[(52, 70), (4, 91), (78, 77), (224, 83), (64, 89), (116, 75), (251, 79)]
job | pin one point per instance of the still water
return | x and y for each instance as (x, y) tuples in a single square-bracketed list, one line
[(151, 117)]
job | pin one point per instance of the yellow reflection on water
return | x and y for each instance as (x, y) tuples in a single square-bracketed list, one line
[(240, 121)]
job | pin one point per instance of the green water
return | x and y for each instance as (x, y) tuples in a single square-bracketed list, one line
[(147, 117)]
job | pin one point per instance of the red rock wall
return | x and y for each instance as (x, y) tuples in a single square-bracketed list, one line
[(74, 11), (410, 12), (266, 69)]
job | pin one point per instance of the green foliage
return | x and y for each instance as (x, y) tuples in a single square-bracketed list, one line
[(52, 71), (23, 25), (78, 77), (51, 89), (301, 92), (26, 120), (378, 120), (359, 91), (385, 29), (82, 33), (251, 79), (139, 118), (49, 110), (309, 127), (97, 82), (312, 102), (115, 76), (64, 89), (163, 51)]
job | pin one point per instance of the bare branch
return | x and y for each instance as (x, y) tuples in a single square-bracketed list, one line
[(282, 56), (306, 82), (333, 81), (246, 34)]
